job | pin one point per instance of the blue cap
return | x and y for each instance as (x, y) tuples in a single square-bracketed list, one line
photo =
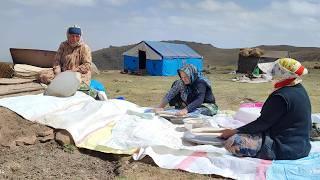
[(74, 30)]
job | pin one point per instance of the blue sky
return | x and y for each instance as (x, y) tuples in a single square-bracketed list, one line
[(41, 24)]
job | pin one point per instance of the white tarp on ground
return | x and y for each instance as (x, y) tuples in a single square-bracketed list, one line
[(118, 126), (316, 118), (244, 79)]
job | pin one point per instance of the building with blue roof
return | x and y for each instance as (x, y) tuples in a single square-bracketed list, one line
[(160, 58)]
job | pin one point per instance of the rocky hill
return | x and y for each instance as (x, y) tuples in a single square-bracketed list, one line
[(111, 58)]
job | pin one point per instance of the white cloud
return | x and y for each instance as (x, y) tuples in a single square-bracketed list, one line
[(202, 6), (15, 12), (116, 2), (210, 5), (61, 3), (233, 25), (295, 7), (214, 6), (225, 24), (57, 2), (167, 4)]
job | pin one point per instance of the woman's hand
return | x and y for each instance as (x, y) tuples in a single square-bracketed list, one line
[(226, 133), (182, 112), (82, 69), (156, 110), (56, 70)]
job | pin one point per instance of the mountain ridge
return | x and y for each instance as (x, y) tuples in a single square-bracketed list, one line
[(111, 57)]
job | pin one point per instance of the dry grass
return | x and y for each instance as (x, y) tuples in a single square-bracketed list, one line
[(148, 90)]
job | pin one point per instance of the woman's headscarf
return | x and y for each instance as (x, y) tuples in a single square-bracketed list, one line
[(284, 71), (193, 74)]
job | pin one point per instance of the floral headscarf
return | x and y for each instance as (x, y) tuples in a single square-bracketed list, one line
[(284, 71), (193, 74)]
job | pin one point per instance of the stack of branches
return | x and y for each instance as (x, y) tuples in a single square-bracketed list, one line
[(6, 70), (251, 52)]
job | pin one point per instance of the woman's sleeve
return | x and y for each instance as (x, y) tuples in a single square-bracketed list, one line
[(272, 111), (174, 90), (86, 59), (57, 60), (201, 87)]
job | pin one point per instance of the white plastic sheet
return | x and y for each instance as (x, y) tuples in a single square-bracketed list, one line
[(83, 116)]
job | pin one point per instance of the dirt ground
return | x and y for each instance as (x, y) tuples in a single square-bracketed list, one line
[(48, 160)]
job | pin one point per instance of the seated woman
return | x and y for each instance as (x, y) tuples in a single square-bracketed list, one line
[(283, 129), (73, 55), (191, 92)]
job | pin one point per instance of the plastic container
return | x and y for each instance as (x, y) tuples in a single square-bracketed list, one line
[(247, 114)]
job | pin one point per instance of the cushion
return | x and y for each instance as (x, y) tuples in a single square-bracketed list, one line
[(65, 84)]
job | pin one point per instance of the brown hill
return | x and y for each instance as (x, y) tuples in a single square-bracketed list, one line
[(299, 53), (111, 58)]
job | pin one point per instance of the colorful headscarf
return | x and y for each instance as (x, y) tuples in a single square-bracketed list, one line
[(284, 71), (193, 74)]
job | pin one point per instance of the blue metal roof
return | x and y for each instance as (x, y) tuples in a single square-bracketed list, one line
[(172, 50)]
